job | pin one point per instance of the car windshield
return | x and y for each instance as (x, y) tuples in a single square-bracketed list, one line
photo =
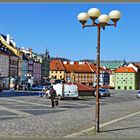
[(101, 89)]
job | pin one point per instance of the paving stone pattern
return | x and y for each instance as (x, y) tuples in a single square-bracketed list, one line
[(35, 118)]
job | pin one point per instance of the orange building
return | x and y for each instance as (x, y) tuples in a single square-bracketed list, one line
[(81, 72)]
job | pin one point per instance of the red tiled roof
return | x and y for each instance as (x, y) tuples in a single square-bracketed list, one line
[(106, 86), (78, 67), (56, 65), (102, 69), (82, 87), (93, 66), (75, 66), (125, 69)]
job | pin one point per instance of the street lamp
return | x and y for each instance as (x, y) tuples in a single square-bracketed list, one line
[(103, 21)]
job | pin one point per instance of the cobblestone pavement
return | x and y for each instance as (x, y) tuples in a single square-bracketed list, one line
[(32, 117), (126, 128)]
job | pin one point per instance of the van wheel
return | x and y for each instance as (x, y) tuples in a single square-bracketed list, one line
[(75, 98)]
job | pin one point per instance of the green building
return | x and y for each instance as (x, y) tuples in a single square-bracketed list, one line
[(126, 79), (113, 64)]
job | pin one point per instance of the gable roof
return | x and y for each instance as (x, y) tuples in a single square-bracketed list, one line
[(76, 67), (125, 70), (113, 64), (136, 65), (56, 65)]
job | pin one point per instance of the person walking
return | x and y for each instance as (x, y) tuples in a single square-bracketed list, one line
[(53, 96)]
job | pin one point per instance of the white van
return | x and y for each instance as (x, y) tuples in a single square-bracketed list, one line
[(66, 91)]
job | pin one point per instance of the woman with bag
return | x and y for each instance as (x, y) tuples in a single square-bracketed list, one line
[(53, 97)]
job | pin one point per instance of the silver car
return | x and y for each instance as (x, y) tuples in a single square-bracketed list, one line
[(138, 94), (103, 92)]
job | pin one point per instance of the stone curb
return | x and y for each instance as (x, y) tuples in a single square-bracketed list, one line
[(101, 125)]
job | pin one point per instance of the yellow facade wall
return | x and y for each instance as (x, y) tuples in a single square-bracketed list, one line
[(57, 74)]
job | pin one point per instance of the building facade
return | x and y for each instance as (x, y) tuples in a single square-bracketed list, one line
[(126, 79), (37, 72), (104, 77), (112, 65), (57, 70), (81, 72), (4, 68), (45, 66), (24, 68)]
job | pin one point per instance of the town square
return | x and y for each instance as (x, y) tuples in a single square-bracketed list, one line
[(69, 70)]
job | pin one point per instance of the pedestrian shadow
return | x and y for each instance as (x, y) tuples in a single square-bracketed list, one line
[(125, 128)]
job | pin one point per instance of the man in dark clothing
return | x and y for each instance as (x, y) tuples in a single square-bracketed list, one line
[(53, 95)]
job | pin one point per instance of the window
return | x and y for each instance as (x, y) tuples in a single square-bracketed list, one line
[(119, 87), (130, 87)]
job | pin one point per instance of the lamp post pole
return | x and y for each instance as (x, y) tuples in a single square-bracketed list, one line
[(93, 14), (97, 107)]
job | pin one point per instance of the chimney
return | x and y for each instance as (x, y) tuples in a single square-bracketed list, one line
[(8, 38), (30, 50), (71, 62), (64, 62), (14, 44)]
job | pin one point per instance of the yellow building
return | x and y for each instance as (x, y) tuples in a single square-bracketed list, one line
[(81, 72), (57, 70)]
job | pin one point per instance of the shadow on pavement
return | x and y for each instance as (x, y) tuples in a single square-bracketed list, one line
[(111, 130)]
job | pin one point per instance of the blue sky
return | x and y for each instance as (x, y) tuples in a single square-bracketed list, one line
[(55, 26)]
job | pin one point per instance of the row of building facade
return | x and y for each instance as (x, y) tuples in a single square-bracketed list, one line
[(113, 74), (21, 64)]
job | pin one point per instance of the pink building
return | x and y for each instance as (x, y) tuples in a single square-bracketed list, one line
[(37, 72)]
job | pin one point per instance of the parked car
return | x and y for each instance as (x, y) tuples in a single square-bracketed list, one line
[(1, 88), (138, 94), (103, 92), (37, 88)]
